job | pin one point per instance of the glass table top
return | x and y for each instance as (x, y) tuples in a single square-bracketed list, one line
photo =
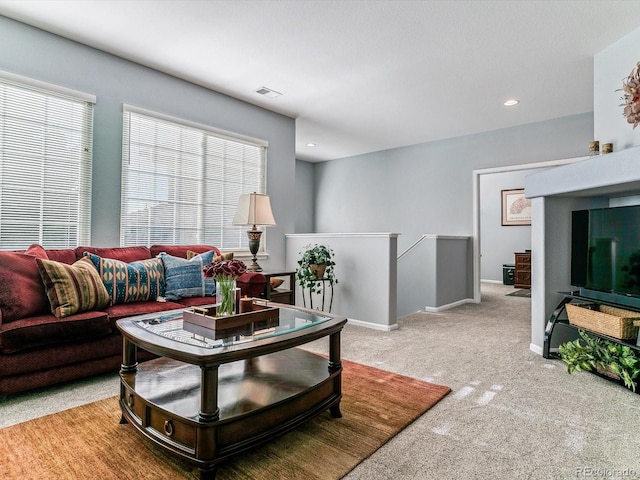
[(170, 325)]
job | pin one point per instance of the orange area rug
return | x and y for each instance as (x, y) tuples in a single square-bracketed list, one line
[(88, 442)]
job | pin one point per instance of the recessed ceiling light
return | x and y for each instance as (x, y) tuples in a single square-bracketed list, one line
[(267, 92), (311, 144), (511, 102)]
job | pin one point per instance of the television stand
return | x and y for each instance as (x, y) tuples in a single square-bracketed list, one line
[(607, 298), (555, 320)]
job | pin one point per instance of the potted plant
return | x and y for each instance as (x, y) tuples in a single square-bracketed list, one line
[(315, 263), (608, 358)]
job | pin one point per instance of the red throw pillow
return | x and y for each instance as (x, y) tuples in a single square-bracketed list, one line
[(37, 251), (22, 293)]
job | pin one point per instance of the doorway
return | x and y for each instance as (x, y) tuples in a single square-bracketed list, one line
[(477, 207)]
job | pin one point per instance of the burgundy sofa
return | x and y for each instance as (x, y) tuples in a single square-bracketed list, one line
[(37, 349)]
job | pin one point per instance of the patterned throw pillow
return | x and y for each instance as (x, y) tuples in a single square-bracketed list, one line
[(216, 258), (72, 288), (223, 257), (139, 281), (184, 277)]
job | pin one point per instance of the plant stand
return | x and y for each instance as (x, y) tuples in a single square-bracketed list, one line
[(563, 328), (323, 288)]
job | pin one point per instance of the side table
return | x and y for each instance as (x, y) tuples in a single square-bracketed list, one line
[(286, 293)]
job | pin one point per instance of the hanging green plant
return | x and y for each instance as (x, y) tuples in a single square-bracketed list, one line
[(589, 353)]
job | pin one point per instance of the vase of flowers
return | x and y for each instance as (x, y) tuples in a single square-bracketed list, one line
[(225, 273)]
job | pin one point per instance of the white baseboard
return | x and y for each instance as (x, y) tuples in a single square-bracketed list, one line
[(491, 281), (535, 348), (448, 306), (374, 326)]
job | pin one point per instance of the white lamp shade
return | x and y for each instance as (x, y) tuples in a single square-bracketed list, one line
[(254, 209)]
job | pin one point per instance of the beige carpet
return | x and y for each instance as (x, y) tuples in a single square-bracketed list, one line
[(88, 442)]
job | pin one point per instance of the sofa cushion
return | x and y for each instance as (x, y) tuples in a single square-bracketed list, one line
[(64, 255), (72, 288), (37, 251), (184, 277), (22, 293), (124, 254), (46, 329), (181, 250), (196, 301), (138, 281), (47, 357)]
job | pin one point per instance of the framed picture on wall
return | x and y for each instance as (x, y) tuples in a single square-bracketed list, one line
[(516, 209)]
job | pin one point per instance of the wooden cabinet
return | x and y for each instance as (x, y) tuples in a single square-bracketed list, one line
[(523, 269)]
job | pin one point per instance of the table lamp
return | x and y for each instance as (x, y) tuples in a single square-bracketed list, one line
[(254, 209)]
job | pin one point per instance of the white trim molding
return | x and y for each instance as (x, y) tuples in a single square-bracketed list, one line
[(448, 306), (535, 348), (373, 326), (200, 126), (342, 235), (32, 82)]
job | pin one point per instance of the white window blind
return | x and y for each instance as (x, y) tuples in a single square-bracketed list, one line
[(46, 137), (181, 182)]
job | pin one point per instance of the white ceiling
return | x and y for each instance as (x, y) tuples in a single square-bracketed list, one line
[(362, 75)]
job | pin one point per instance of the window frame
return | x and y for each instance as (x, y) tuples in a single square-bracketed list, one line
[(78, 127), (203, 230)]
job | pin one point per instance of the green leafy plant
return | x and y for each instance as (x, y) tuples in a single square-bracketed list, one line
[(307, 275), (591, 353)]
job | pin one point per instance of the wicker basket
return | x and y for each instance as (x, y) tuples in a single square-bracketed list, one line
[(611, 321)]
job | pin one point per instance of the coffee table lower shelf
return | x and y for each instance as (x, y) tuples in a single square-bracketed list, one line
[(258, 399)]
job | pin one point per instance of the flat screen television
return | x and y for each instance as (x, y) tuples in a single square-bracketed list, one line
[(605, 254)]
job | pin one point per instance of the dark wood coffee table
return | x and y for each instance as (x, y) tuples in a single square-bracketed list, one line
[(206, 400)]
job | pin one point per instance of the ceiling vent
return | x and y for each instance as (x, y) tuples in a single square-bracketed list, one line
[(267, 92)]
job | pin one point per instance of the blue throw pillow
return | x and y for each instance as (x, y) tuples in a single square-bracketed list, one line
[(139, 281), (184, 278)]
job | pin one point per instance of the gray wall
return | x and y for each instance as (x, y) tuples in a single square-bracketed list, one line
[(497, 242), (43, 56), (427, 188), (610, 67), (435, 275), (305, 197), (366, 290)]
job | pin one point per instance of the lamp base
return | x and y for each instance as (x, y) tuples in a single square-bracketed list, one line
[(254, 245), (254, 267)]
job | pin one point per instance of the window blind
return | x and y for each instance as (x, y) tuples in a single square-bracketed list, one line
[(181, 182), (46, 148)]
